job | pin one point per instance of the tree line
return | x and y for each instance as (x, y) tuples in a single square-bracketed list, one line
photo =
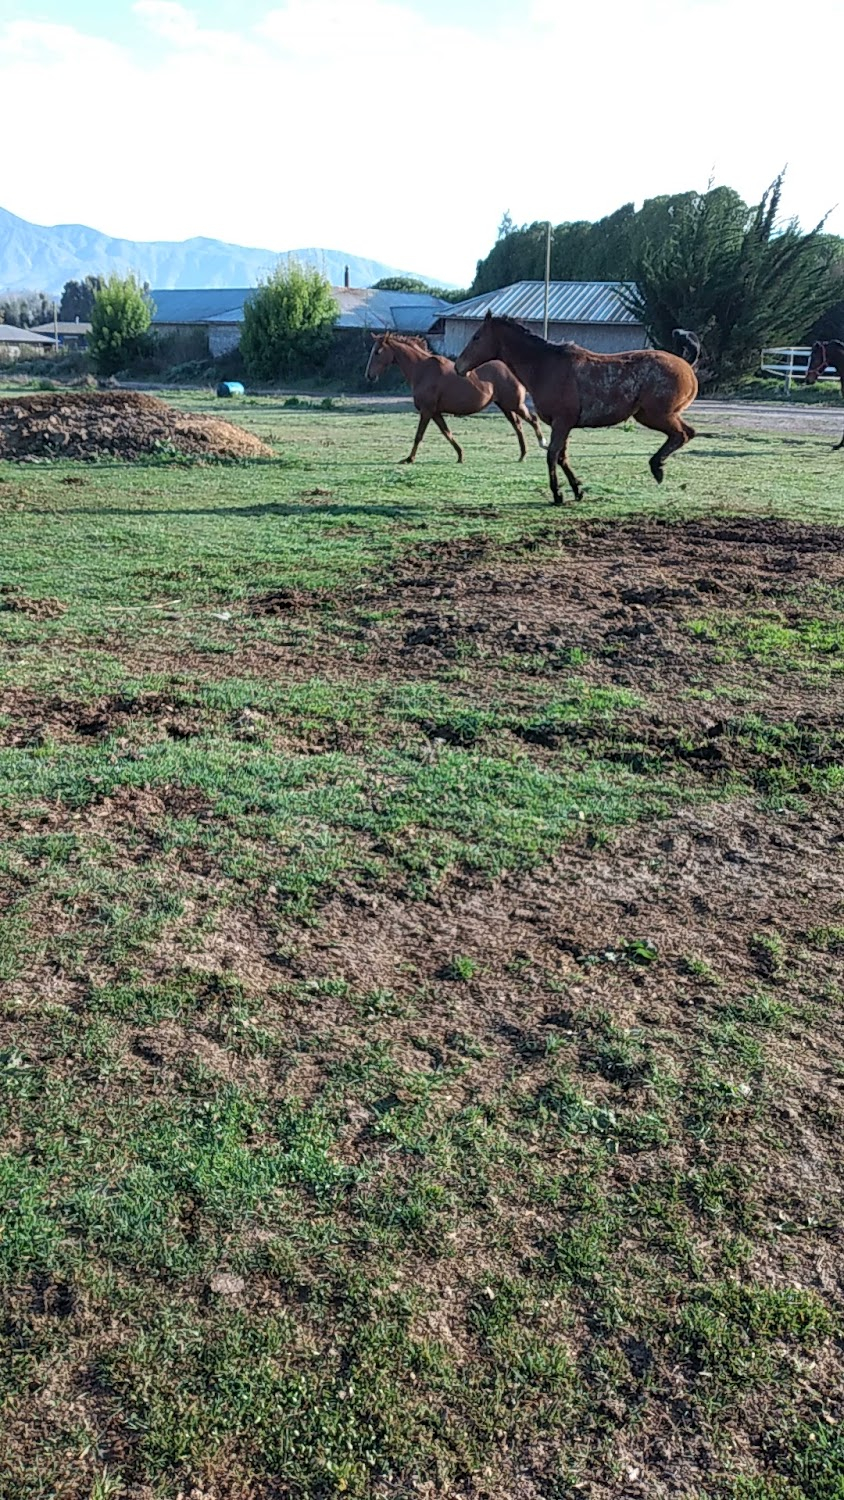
[(31, 309), (734, 272)]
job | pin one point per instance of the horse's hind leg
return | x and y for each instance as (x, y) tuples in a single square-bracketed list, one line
[(557, 452), (529, 416), (517, 428), (838, 445), (678, 433), (424, 419), (444, 429)]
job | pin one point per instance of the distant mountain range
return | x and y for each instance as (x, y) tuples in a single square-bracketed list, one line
[(34, 257)]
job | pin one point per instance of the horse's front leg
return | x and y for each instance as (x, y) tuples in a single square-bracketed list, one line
[(557, 452), (838, 445), (424, 419), (516, 425), (447, 433)]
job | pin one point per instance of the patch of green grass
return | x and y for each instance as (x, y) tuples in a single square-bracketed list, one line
[(812, 644), (827, 939), (735, 1335), (289, 1207), (699, 968), (768, 952), (461, 968), (812, 1454)]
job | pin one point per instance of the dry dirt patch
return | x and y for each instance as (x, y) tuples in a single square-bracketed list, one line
[(624, 589), (701, 882)]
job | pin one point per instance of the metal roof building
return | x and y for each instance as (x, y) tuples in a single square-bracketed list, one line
[(221, 311), (15, 342), (176, 309), (69, 335), (590, 313)]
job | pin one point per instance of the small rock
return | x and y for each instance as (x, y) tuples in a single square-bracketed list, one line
[(226, 1284)]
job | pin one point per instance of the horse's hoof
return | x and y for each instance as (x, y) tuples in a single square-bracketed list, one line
[(658, 475)]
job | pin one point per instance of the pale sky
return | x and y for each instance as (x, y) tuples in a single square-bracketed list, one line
[(402, 129)]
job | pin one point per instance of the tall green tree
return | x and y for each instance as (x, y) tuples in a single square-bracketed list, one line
[(605, 250), (736, 275), (401, 284), (412, 284), (287, 321), (120, 319), (829, 324), (78, 299)]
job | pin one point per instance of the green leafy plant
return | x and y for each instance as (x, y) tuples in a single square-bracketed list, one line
[(120, 320), (287, 321)]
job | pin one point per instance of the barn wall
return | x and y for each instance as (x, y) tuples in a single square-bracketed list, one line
[(223, 338), (604, 338)]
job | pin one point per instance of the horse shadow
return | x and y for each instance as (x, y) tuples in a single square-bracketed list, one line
[(399, 512)]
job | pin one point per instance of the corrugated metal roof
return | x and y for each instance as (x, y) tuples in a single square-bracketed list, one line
[(359, 307), (568, 302), (11, 335), (74, 327), (401, 312), (199, 306)]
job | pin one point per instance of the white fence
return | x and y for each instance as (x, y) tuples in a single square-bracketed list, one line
[(791, 364)]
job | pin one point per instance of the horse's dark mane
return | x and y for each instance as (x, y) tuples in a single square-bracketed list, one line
[(534, 338)]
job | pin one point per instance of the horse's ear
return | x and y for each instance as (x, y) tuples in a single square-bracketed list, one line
[(374, 336), (488, 318)]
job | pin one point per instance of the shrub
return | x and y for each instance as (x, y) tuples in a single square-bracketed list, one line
[(120, 322), (287, 321)]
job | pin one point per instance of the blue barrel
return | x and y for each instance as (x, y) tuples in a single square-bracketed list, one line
[(230, 388)]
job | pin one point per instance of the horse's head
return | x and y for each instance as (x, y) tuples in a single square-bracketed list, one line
[(482, 346), (380, 356), (817, 362)]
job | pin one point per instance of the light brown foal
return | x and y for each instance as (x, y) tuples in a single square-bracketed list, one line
[(438, 390)]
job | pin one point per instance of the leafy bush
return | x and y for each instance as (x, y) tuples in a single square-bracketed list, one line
[(120, 321), (287, 322)]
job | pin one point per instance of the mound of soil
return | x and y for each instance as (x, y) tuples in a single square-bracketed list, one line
[(115, 424)]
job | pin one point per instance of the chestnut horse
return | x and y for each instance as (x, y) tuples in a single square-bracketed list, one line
[(830, 353), (572, 387), (437, 389)]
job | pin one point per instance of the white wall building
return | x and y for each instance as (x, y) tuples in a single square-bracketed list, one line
[(589, 313)]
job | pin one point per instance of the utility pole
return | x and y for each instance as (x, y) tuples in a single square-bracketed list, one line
[(55, 326), (547, 276)]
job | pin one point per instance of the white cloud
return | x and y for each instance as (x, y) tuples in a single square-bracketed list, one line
[(363, 125), (180, 27)]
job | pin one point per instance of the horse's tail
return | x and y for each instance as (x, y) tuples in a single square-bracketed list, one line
[(686, 345)]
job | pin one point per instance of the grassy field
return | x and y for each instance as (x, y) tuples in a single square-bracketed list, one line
[(421, 938)]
